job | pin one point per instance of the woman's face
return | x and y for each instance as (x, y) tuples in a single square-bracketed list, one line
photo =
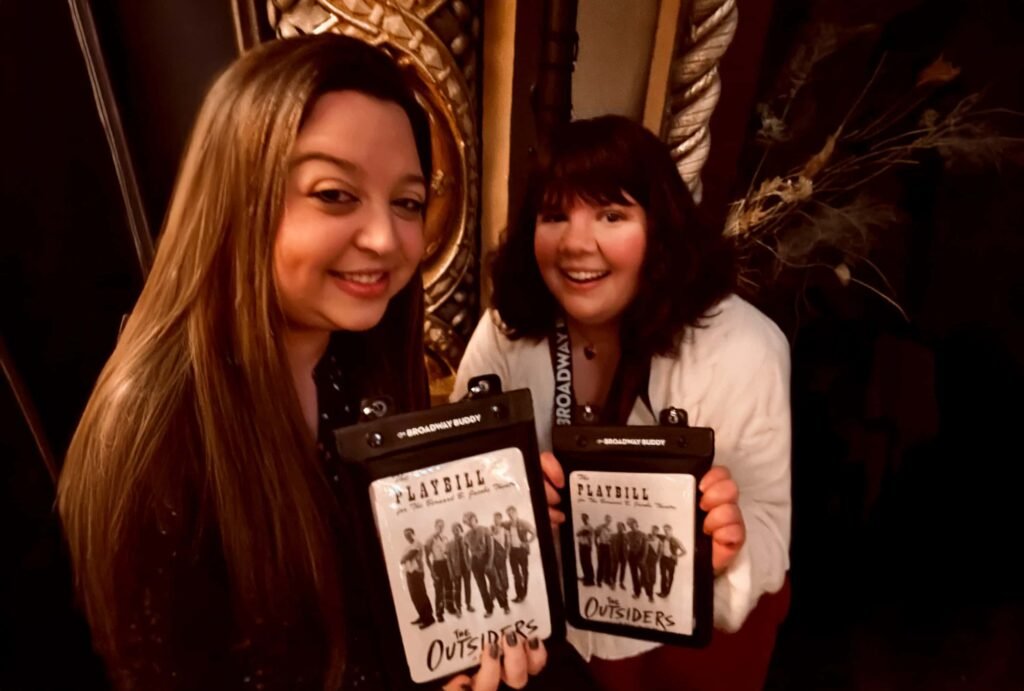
[(590, 258), (352, 232)]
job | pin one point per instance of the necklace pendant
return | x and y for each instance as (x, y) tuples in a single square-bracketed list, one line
[(589, 352)]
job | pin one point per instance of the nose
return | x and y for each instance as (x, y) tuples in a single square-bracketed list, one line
[(578, 235), (378, 234)]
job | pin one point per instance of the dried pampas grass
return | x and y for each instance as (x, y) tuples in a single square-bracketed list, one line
[(822, 213)]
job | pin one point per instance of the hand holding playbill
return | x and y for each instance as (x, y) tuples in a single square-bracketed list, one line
[(512, 660), (724, 522), (554, 481)]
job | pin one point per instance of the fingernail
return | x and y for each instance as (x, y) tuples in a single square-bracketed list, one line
[(467, 687), (511, 637), (495, 651), (534, 643)]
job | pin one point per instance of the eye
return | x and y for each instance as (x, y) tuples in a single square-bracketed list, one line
[(334, 195), (612, 216), (409, 206)]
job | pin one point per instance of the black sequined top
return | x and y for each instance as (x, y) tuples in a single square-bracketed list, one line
[(338, 408), (183, 635)]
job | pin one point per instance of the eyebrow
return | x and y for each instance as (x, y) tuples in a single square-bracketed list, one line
[(327, 158), (349, 166)]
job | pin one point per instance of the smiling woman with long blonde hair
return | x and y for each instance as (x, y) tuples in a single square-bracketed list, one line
[(202, 517)]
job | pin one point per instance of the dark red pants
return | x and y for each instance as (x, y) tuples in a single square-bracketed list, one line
[(731, 662)]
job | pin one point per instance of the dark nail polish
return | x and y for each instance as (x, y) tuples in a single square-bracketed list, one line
[(534, 643), (467, 687), (511, 637), (495, 650)]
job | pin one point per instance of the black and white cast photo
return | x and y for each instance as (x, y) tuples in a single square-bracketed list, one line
[(458, 541), (634, 548), (652, 557), (489, 554)]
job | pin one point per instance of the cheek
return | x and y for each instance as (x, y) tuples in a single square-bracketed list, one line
[(286, 259), (295, 247), (413, 244), (302, 252), (627, 253), (545, 249), (287, 268)]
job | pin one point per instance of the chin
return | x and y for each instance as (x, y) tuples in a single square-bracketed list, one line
[(587, 317), (359, 320)]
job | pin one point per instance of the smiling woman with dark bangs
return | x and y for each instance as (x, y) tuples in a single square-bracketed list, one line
[(622, 173), (609, 243)]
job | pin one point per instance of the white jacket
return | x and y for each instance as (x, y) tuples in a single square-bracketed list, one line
[(733, 376)]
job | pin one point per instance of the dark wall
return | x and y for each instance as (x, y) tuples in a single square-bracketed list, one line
[(739, 69), (162, 57), (69, 270), (906, 478)]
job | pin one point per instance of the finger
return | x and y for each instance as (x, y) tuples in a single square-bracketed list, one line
[(552, 469), (722, 556), (719, 516), (488, 676), (552, 494), (514, 670), (732, 535), (459, 683), (536, 656), (721, 492), (716, 474), (556, 516)]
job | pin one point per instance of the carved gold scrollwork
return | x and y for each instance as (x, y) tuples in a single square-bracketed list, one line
[(436, 40)]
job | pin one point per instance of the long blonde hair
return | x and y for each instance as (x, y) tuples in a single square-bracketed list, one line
[(196, 410)]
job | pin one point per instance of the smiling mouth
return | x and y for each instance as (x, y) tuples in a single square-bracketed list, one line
[(366, 278), (583, 277)]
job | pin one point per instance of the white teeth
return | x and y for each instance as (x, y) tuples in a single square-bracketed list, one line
[(360, 277), (585, 275)]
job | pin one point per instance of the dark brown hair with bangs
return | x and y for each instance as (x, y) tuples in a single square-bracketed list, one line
[(688, 268)]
